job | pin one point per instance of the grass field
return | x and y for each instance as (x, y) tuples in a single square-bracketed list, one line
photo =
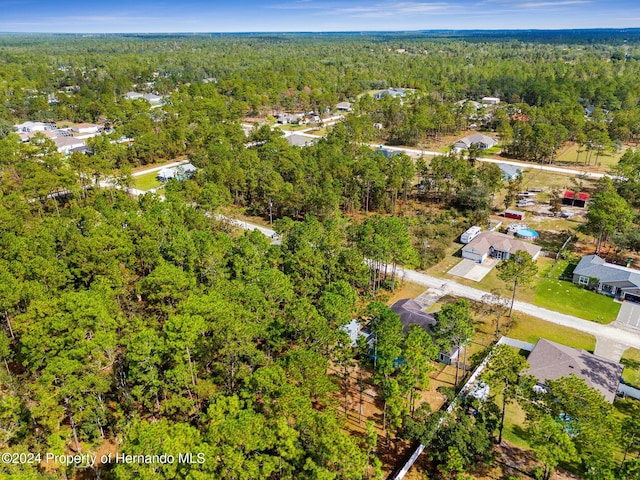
[(549, 180), (569, 157), (321, 131), (406, 290), (146, 181)]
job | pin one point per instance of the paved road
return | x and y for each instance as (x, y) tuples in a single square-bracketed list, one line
[(248, 226), (548, 168), (605, 334), (417, 152), (161, 167), (609, 334)]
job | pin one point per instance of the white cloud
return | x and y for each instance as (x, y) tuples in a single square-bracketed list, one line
[(553, 4), (381, 10)]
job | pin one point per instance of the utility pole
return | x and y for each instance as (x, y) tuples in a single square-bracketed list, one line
[(426, 244), (270, 212)]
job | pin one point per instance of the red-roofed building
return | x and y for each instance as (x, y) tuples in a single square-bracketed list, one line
[(574, 199), (521, 117)]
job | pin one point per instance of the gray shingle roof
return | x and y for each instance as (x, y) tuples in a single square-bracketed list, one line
[(510, 170), (617, 275), (297, 140), (410, 312), (478, 138), (549, 361)]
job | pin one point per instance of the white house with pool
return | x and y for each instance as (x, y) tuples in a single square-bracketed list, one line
[(498, 246)]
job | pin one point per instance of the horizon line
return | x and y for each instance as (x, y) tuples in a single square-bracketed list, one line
[(310, 32)]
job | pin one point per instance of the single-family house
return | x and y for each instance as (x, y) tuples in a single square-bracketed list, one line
[(31, 127), (410, 313), (86, 128), (295, 118), (390, 92), (27, 136), (608, 278), (354, 330), (483, 141), (297, 140), (153, 99), (550, 360), (509, 171), (68, 144), (132, 95), (474, 104), (344, 106), (490, 101), (388, 153), (180, 172), (498, 246), (575, 199)]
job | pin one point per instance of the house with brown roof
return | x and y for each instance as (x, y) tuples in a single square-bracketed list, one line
[(549, 361), (498, 246)]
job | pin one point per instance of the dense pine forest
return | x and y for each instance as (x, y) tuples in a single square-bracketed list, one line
[(150, 325)]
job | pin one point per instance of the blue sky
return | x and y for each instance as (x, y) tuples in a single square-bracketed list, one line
[(110, 16)]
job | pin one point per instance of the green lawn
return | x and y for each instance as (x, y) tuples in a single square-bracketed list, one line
[(569, 298), (531, 329), (293, 128), (147, 181), (321, 131), (514, 424), (546, 291), (491, 151), (534, 178), (631, 362)]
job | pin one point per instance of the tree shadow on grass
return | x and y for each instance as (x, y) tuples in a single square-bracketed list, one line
[(521, 433), (630, 363), (567, 273)]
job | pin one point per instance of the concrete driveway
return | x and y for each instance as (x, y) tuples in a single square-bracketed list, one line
[(628, 316), (472, 270)]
